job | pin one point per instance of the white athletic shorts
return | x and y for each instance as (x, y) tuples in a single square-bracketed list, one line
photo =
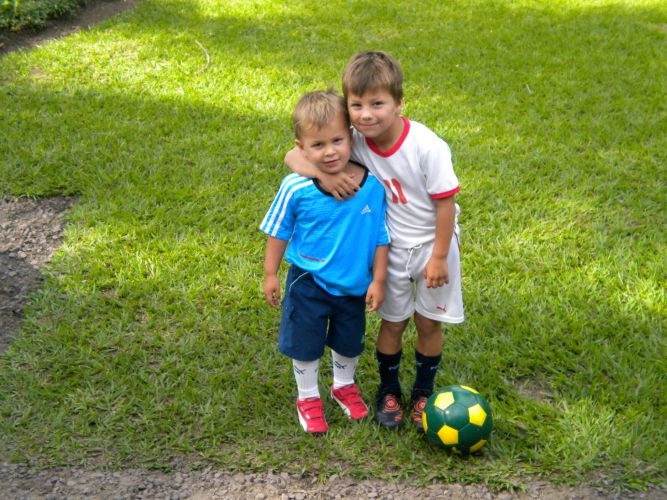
[(406, 292)]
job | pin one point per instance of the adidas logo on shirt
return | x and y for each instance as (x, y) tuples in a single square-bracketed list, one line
[(366, 210)]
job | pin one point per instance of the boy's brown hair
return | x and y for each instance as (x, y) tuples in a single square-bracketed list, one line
[(373, 70), (317, 109)]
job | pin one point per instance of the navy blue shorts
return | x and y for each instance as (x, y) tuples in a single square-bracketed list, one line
[(312, 318)]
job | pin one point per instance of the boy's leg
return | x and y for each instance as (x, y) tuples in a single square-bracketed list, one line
[(302, 337), (433, 306), (389, 348), (429, 335), (396, 310), (347, 330), (309, 406), (344, 391), (388, 410), (390, 337), (343, 369), (305, 373), (428, 354)]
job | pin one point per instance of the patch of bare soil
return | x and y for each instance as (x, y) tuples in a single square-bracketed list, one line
[(30, 231), (23, 482), (93, 13)]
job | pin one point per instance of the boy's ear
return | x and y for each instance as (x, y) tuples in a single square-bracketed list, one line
[(298, 143)]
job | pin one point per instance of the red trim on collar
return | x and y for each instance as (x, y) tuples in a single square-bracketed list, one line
[(396, 146)]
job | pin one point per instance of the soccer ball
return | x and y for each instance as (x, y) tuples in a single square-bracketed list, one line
[(458, 419)]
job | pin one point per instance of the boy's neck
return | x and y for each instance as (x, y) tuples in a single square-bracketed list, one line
[(354, 171)]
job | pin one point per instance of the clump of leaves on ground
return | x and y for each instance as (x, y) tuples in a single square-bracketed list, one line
[(18, 15)]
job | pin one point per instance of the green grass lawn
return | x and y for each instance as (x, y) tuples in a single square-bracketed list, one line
[(149, 341)]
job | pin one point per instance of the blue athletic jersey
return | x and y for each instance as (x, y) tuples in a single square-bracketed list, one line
[(333, 240)]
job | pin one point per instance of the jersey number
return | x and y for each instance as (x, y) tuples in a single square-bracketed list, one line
[(396, 191)]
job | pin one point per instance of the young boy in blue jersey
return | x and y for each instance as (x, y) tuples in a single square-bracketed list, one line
[(338, 256)]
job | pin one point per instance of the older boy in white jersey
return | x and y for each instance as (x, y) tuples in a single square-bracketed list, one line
[(424, 278)]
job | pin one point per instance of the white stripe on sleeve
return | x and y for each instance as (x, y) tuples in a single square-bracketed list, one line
[(274, 217)]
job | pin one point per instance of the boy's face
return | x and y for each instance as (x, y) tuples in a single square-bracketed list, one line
[(376, 114), (327, 147)]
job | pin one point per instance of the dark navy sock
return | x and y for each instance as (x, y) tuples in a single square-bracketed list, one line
[(388, 366), (426, 369)]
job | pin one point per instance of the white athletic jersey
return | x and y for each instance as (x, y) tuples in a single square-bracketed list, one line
[(415, 171)]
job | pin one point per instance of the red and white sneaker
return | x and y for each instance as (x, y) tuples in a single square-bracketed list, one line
[(311, 415), (349, 399)]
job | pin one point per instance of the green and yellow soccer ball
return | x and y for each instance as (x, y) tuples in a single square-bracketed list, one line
[(458, 419)]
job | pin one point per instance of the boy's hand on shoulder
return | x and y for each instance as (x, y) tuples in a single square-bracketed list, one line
[(272, 290), (436, 272), (374, 296), (340, 185)]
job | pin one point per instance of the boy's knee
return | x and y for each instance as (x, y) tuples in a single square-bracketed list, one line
[(429, 336), (393, 329), (426, 326), (390, 339)]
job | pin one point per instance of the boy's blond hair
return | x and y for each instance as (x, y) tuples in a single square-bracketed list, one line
[(317, 109), (373, 70)]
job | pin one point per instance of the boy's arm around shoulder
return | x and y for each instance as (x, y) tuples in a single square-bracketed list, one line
[(340, 185), (275, 249), (297, 162)]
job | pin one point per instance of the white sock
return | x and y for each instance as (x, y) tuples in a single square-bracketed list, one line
[(305, 373), (343, 369)]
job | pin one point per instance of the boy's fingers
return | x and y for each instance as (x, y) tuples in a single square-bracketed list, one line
[(432, 283), (272, 297), (352, 184)]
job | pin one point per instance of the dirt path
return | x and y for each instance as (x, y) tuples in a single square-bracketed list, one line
[(95, 12), (30, 232), (23, 482)]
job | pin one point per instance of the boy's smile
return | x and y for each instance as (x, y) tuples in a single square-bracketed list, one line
[(377, 116), (327, 147)]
